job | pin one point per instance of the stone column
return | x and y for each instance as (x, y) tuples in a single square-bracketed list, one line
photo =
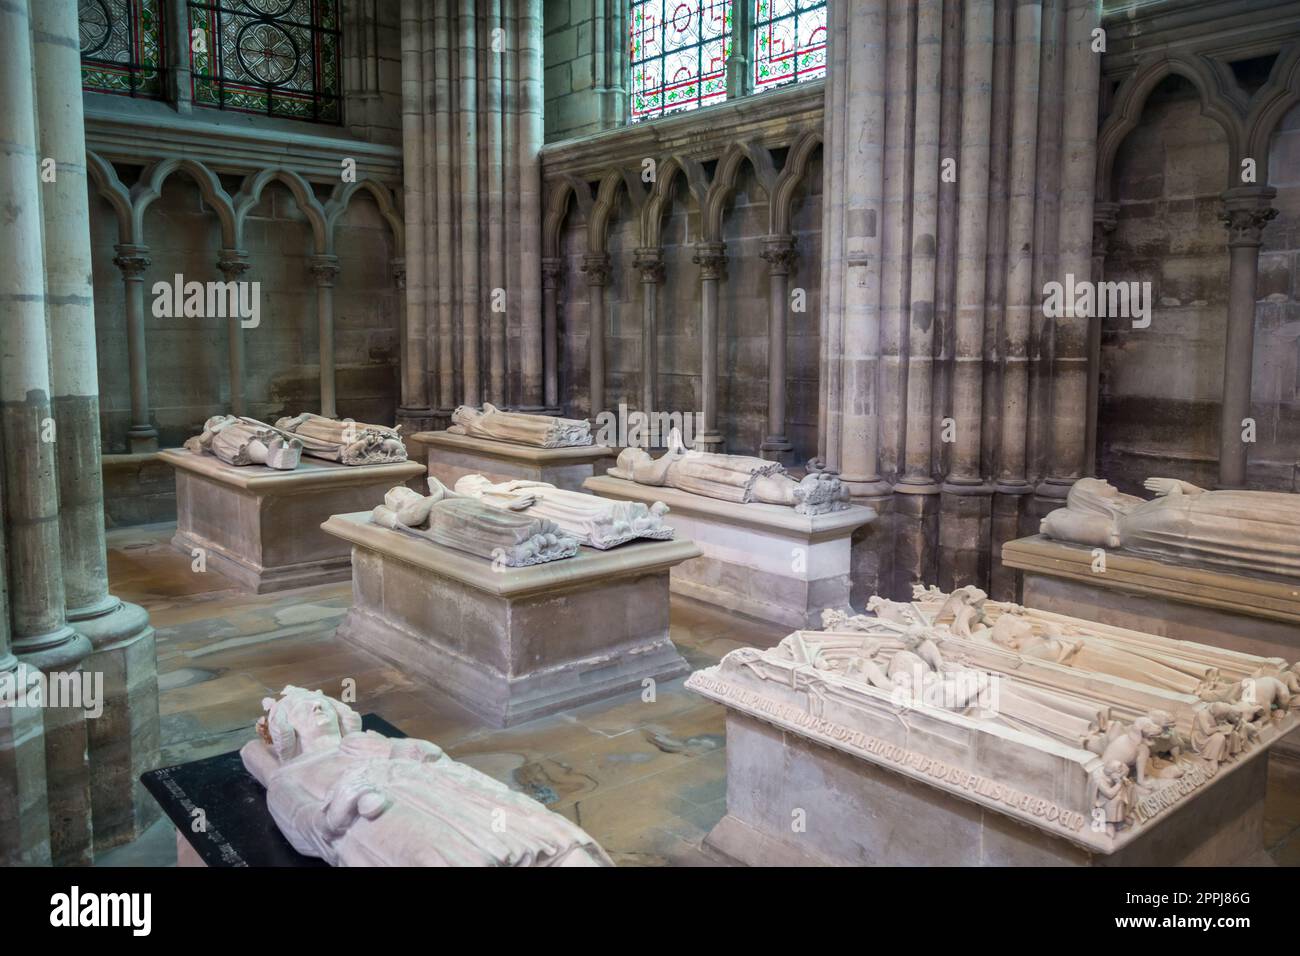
[(780, 255), (470, 238), (1105, 217), (414, 411), (1246, 211), (711, 257), (1069, 422), (649, 261), (597, 267), (176, 20), (42, 637), (326, 271), (134, 261), (529, 113), (490, 113), (552, 270), (966, 506), (233, 263), (24, 818), (440, 144), (123, 741)]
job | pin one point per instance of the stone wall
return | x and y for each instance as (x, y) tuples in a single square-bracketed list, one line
[(1161, 386), (743, 316), (572, 106), (187, 357)]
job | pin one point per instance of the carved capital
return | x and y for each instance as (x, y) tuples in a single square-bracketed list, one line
[(1245, 224), (779, 253), (649, 260), (399, 272), (233, 263), (1105, 217), (711, 257), (552, 271), (597, 268), (325, 269), (132, 260)]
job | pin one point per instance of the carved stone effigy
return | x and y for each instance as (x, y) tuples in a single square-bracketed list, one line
[(594, 522), (537, 431), (357, 798), (509, 538), (246, 441), (1115, 747), (343, 440), (511, 642), (736, 478), (1218, 567), (766, 561)]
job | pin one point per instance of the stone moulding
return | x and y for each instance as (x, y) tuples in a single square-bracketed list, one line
[(1245, 594)]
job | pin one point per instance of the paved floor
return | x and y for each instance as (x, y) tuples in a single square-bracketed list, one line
[(645, 778)]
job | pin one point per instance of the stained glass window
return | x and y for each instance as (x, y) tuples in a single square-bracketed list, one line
[(789, 44), (679, 51), (122, 46), (279, 57)]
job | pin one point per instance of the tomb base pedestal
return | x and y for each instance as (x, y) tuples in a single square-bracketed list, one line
[(764, 561), (261, 527), (794, 802), (512, 644), (1235, 611), (451, 457)]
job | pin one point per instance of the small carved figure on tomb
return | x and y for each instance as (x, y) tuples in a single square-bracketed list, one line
[(1112, 796), (1132, 748), (1215, 732)]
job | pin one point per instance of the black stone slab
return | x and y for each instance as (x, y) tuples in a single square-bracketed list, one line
[(239, 829)]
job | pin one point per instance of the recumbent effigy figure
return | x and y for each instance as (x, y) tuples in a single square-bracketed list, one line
[(1256, 531), (246, 441), (343, 440), (510, 539), (356, 798), (595, 522), (539, 431), (736, 478)]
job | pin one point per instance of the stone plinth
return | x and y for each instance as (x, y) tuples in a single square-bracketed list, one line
[(764, 561), (512, 644), (857, 813), (261, 527), (451, 457), (824, 767), (1235, 611)]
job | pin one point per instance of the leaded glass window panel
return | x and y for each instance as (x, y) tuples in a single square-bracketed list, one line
[(789, 42), (122, 46), (679, 51), (278, 57)]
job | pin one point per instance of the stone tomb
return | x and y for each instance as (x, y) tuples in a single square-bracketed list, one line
[(512, 644), (1242, 612), (451, 457), (764, 561), (827, 764), (261, 527)]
